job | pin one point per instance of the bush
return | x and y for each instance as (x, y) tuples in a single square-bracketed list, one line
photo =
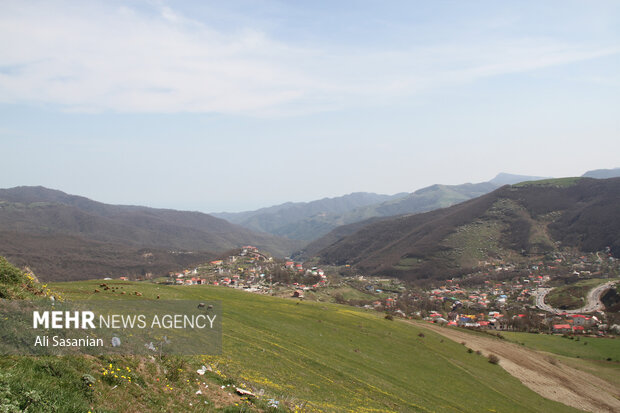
[(8, 273), (389, 317), (493, 359)]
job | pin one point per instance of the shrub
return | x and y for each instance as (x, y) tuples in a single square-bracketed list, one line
[(493, 359), (8, 273)]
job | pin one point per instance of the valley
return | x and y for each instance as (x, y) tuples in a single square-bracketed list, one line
[(454, 309)]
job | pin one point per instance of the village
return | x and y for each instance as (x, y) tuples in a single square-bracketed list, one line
[(499, 296), (253, 271)]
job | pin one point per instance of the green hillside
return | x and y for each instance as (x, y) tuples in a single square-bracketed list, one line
[(589, 348), (335, 358)]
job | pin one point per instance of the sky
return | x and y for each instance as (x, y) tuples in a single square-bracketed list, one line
[(236, 105)]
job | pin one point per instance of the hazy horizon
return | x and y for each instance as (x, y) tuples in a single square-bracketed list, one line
[(270, 205), (235, 106)]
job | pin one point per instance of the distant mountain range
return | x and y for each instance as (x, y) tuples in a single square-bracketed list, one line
[(309, 221), (528, 218), (64, 236), (70, 237), (603, 173), (304, 220)]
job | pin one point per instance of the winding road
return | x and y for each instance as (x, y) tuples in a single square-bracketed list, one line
[(593, 302)]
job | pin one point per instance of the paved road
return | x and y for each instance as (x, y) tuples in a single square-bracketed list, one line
[(593, 301)]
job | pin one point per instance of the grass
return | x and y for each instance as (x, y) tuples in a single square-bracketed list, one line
[(589, 354), (607, 371), (346, 292), (591, 357), (335, 358), (475, 242), (44, 384), (590, 348)]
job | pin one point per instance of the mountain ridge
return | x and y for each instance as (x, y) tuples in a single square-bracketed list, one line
[(582, 213), (602, 173), (311, 220), (40, 215)]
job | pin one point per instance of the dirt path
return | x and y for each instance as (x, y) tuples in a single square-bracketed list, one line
[(541, 372)]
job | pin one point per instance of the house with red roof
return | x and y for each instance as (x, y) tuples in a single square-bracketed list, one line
[(582, 320), (562, 328)]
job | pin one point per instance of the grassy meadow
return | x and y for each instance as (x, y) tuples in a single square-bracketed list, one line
[(590, 348), (309, 356)]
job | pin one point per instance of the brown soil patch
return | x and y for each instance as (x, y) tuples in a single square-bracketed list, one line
[(542, 373), (220, 397)]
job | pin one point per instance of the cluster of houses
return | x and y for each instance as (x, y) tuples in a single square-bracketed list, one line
[(250, 270), (507, 305), (576, 323), (187, 277), (491, 294), (494, 320)]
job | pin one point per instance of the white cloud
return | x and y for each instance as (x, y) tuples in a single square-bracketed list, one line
[(99, 57)]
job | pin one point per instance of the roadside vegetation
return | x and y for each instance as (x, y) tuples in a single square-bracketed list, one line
[(572, 296)]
